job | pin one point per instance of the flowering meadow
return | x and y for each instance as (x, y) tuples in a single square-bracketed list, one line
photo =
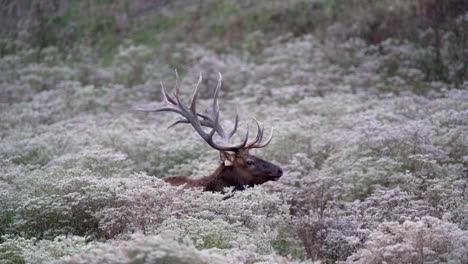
[(373, 145)]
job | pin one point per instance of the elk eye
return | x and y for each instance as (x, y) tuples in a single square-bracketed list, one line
[(249, 162)]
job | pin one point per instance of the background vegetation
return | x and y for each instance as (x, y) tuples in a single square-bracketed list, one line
[(368, 99)]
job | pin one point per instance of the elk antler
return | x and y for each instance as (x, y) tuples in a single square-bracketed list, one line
[(256, 143), (190, 116)]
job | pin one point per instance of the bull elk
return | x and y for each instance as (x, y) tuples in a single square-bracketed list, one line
[(238, 167)]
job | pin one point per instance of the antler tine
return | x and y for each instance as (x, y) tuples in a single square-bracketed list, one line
[(217, 126), (180, 121), (185, 121), (169, 103), (205, 117), (216, 94), (233, 131), (215, 108), (256, 143), (261, 134), (246, 138), (193, 103), (209, 138), (257, 137), (266, 143), (167, 99)]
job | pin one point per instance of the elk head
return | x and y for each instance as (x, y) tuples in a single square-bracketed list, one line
[(238, 168)]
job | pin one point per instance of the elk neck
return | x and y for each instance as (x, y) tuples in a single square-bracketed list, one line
[(226, 176)]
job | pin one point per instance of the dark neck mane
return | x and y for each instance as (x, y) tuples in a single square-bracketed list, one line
[(224, 176)]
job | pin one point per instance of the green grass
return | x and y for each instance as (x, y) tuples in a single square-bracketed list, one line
[(212, 23), (38, 155), (284, 245), (221, 25)]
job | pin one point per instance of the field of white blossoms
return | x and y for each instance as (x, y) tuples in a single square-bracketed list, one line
[(374, 152)]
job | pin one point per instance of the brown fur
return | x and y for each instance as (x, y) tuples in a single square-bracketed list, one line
[(238, 174)]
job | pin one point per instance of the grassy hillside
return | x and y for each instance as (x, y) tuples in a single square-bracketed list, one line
[(369, 101)]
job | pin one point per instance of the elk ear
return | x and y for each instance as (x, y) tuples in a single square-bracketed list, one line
[(227, 158)]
